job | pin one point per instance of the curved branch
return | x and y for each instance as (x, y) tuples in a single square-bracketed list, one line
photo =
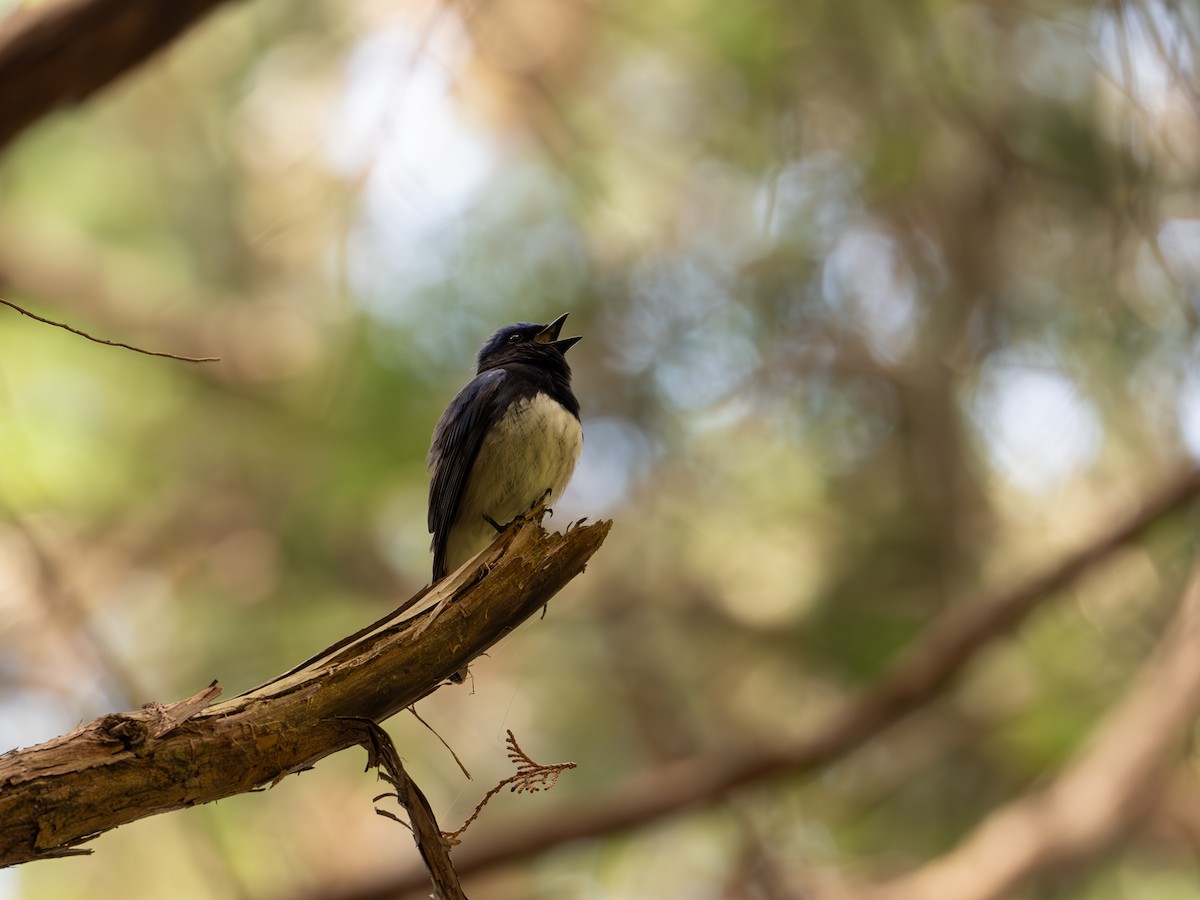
[(922, 672), (58, 53), (1101, 796), (83, 334), (124, 767)]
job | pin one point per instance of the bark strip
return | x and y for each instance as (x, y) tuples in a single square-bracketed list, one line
[(124, 767)]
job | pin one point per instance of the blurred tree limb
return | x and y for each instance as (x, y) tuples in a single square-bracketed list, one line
[(123, 767), (62, 52), (1100, 797), (922, 672)]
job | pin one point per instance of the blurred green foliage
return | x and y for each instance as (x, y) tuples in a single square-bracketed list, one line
[(884, 305)]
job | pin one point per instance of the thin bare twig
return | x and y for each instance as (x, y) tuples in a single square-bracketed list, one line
[(84, 334), (433, 731), (431, 841)]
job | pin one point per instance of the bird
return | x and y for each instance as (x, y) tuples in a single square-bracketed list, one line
[(509, 439)]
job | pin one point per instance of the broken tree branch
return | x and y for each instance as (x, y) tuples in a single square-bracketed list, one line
[(922, 672), (120, 768), (54, 54), (431, 843)]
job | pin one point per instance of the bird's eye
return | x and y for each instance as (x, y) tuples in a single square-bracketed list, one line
[(515, 339)]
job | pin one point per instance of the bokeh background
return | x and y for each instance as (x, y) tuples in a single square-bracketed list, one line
[(883, 304)]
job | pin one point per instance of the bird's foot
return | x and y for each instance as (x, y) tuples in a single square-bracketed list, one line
[(493, 522), (537, 504)]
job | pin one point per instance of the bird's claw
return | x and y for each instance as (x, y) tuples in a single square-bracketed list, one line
[(540, 500)]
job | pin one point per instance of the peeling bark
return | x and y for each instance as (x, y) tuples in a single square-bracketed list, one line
[(126, 766)]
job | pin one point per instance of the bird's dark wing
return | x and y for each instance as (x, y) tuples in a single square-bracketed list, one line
[(456, 442)]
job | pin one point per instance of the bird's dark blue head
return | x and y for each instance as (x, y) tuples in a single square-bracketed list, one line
[(528, 344)]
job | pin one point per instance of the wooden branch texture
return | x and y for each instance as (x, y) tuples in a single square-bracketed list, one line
[(58, 53), (433, 847), (926, 668), (127, 766)]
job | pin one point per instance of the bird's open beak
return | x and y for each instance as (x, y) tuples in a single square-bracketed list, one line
[(549, 335)]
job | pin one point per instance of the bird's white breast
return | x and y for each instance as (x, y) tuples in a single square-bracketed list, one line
[(532, 449)]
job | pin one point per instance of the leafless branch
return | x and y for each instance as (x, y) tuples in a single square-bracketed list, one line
[(432, 844), (57, 53), (923, 671), (1101, 796), (84, 334), (123, 767)]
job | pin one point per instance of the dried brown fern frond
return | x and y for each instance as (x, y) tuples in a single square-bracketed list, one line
[(531, 776)]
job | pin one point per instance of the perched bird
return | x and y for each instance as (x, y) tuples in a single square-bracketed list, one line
[(507, 439)]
